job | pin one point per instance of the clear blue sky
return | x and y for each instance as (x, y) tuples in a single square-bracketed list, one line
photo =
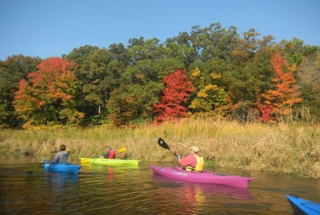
[(48, 28)]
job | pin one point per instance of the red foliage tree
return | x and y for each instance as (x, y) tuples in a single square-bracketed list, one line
[(173, 103)]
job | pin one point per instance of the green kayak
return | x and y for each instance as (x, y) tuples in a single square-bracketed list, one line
[(109, 162)]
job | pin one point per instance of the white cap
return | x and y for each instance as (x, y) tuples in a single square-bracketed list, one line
[(194, 148)]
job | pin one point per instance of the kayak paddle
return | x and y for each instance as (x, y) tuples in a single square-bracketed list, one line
[(122, 149), (163, 144), (32, 168)]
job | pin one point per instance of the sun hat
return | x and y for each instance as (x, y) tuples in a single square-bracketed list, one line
[(194, 148)]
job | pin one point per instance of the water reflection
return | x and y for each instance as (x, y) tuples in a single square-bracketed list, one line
[(60, 178), (124, 190), (110, 173), (23, 193)]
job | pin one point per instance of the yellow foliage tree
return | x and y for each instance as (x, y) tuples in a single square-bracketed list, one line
[(210, 97)]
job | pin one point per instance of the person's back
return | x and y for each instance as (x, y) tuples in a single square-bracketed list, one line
[(61, 157)]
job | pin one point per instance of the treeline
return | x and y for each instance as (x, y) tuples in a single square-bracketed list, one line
[(209, 71)]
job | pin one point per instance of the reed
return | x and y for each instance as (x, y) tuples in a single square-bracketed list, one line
[(284, 148)]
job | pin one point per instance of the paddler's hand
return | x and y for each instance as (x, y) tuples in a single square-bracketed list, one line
[(174, 152)]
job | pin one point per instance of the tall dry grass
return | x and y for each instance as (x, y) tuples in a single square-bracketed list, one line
[(292, 149)]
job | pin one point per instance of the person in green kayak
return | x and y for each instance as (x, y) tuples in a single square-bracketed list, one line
[(192, 162), (111, 154), (60, 157)]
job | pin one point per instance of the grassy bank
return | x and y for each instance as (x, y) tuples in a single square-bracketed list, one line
[(291, 149)]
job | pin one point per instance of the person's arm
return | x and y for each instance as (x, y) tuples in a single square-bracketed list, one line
[(107, 155), (186, 161)]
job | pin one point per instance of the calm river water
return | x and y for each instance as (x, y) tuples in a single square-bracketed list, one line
[(118, 190)]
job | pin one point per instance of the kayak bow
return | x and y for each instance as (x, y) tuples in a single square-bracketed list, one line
[(303, 206)]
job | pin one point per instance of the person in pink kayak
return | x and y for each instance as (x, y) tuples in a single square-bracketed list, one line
[(194, 161)]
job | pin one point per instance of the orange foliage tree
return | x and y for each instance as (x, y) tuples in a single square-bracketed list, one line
[(48, 96), (279, 100)]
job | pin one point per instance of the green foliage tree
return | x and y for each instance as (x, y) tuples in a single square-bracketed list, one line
[(79, 55), (295, 51), (133, 103), (309, 83), (98, 76), (213, 41), (180, 49), (12, 70)]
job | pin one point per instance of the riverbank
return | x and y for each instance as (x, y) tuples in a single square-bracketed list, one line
[(290, 149)]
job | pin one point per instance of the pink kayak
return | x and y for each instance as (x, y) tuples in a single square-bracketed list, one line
[(202, 177)]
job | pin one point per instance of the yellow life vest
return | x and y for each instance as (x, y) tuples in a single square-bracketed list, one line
[(199, 167)]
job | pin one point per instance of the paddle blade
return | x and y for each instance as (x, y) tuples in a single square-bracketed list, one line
[(32, 168), (85, 160), (163, 144), (122, 149)]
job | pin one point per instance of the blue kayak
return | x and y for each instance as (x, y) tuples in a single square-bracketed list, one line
[(303, 206), (68, 168)]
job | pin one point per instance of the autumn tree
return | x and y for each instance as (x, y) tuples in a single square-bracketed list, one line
[(248, 75), (309, 83), (48, 97), (284, 93), (173, 104), (210, 96)]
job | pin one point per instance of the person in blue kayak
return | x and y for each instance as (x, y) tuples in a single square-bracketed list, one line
[(111, 154), (194, 161), (61, 157)]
